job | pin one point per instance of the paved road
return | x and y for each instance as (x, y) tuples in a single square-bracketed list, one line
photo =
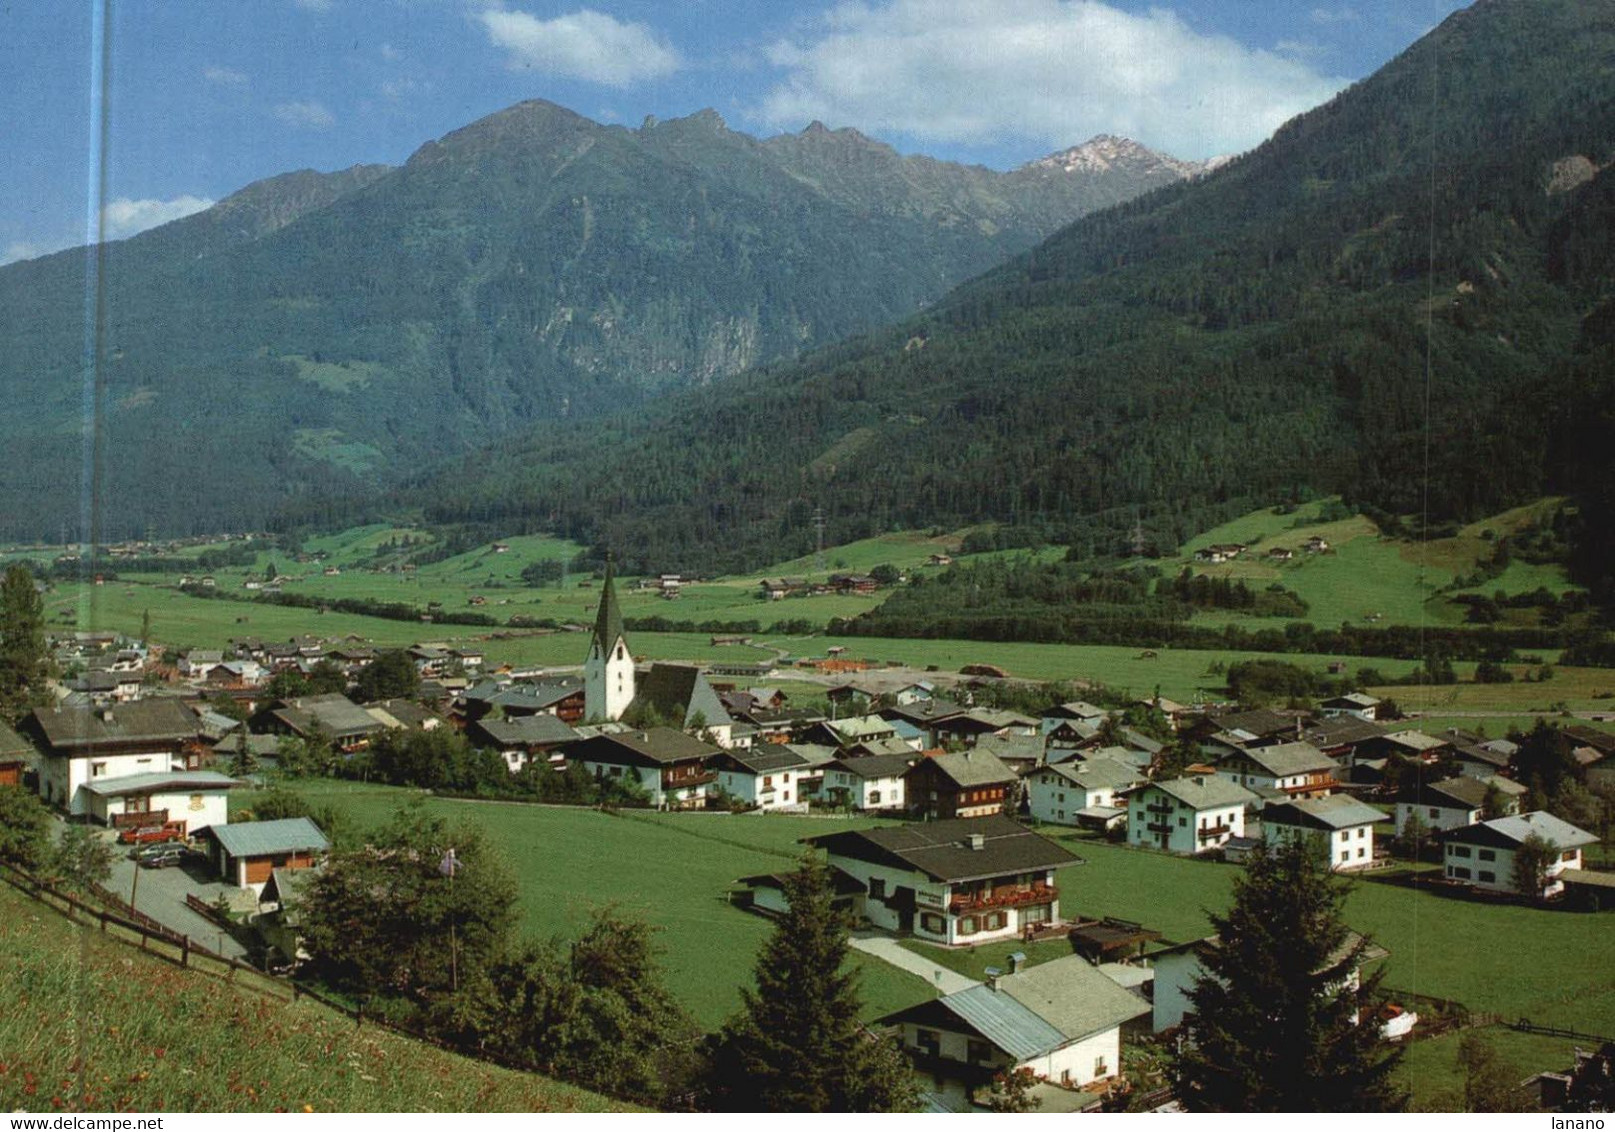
[(884, 947), (160, 894)]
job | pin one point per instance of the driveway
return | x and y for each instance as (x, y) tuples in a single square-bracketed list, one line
[(884, 947), (161, 893)]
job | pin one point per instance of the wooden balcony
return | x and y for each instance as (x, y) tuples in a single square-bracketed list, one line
[(1159, 827), (683, 781), (1008, 897), (1213, 830)]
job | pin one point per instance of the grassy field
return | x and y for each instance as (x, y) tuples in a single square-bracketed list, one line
[(93, 1025), (1430, 1069), (674, 870)]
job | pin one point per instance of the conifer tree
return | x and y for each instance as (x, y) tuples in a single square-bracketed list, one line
[(22, 643), (1279, 1024), (797, 1046)]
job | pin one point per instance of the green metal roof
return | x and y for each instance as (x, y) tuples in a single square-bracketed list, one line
[(267, 838)]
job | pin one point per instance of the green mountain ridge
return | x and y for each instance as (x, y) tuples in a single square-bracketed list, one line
[(1399, 297), (316, 336)]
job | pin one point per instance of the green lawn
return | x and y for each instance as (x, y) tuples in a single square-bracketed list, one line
[(673, 870), (1431, 1071)]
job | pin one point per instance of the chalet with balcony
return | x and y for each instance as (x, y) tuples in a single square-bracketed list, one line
[(1483, 855), (1291, 770), (522, 739), (671, 766), (560, 696), (83, 745), (968, 880), (348, 726), (965, 784), (1359, 705), (1342, 826), (1187, 816), (1062, 1021), (191, 799)]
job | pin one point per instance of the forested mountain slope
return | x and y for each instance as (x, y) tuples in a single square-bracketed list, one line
[(1396, 297)]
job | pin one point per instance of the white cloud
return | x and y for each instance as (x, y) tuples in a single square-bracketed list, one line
[(396, 89), (124, 217), (1342, 15), (224, 76), (309, 114), (1051, 72), (586, 45), (19, 250)]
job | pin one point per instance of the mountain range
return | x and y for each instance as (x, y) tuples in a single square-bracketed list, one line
[(318, 336), (1404, 296)]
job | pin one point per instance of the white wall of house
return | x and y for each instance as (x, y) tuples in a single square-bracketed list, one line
[(932, 919), (765, 791), (1436, 817), (197, 810), (1056, 799), (1348, 849), (1185, 822), (866, 793), (61, 779), (1078, 1063), (1493, 869), (1175, 973)]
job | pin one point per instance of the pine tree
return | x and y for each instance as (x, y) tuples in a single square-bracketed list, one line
[(1276, 1025), (22, 643), (797, 1046)]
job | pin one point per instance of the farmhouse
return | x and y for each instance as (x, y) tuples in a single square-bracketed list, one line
[(84, 745), (334, 717), (670, 765), (1359, 705), (963, 881), (1484, 854), (521, 739), (1061, 1020), (1342, 826), (967, 784), (246, 853), (1188, 815)]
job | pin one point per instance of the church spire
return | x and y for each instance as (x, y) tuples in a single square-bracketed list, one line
[(608, 622)]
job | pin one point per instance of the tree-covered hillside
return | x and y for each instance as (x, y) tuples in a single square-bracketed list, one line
[(318, 336), (1398, 297)]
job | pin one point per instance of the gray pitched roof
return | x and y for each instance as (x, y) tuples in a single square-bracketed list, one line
[(1338, 811), (1074, 997), (266, 838), (1284, 759), (875, 766), (527, 730), (680, 693), (971, 768), (1203, 792), (158, 781), (943, 850), (1005, 1021), (157, 720), (1515, 829)]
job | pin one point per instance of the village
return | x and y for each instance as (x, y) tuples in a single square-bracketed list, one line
[(986, 812)]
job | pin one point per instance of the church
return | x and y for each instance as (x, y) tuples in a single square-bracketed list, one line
[(608, 673)]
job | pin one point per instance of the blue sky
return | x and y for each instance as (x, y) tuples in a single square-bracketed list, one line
[(206, 96)]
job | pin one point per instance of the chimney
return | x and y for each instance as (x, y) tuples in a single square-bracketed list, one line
[(1016, 958), (992, 978), (1199, 780), (977, 841)]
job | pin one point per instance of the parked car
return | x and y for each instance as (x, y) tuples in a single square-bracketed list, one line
[(163, 857), (150, 834), (140, 852)]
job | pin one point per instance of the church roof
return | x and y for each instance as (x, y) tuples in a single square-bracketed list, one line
[(608, 622)]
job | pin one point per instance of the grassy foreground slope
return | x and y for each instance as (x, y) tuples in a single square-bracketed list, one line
[(90, 1024)]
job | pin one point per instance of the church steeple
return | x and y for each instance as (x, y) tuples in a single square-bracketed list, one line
[(608, 673)]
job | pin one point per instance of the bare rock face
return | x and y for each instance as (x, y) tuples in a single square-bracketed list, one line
[(1570, 173)]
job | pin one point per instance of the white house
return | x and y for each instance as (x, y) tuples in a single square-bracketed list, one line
[(84, 745), (1484, 854), (967, 880), (670, 766), (1076, 793), (1294, 769), (1359, 705), (195, 797), (1187, 815), (873, 782), (768, 777), (1454, 803), (1342, 825), (1061, 1020), (608, 670)]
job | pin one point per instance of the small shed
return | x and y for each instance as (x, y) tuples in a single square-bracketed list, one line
[(247, 853)]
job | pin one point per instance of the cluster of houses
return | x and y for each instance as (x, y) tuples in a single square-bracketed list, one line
[(1219, 552)]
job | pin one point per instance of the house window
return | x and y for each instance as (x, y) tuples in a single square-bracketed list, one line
[(933, 923), (877, 887), (928, 1041), (993, 921), (874, 797), (1345, 835), (968, 925), (1460, 850), (97, 769), (1183, 823), (1488, 878), (1345, 855), (1361, 852), (1434, 813), (1362, 831), (1458, 871), (1100, 1069), (768, 782), (1487, 855), (978, 1051), (1569, 854)]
